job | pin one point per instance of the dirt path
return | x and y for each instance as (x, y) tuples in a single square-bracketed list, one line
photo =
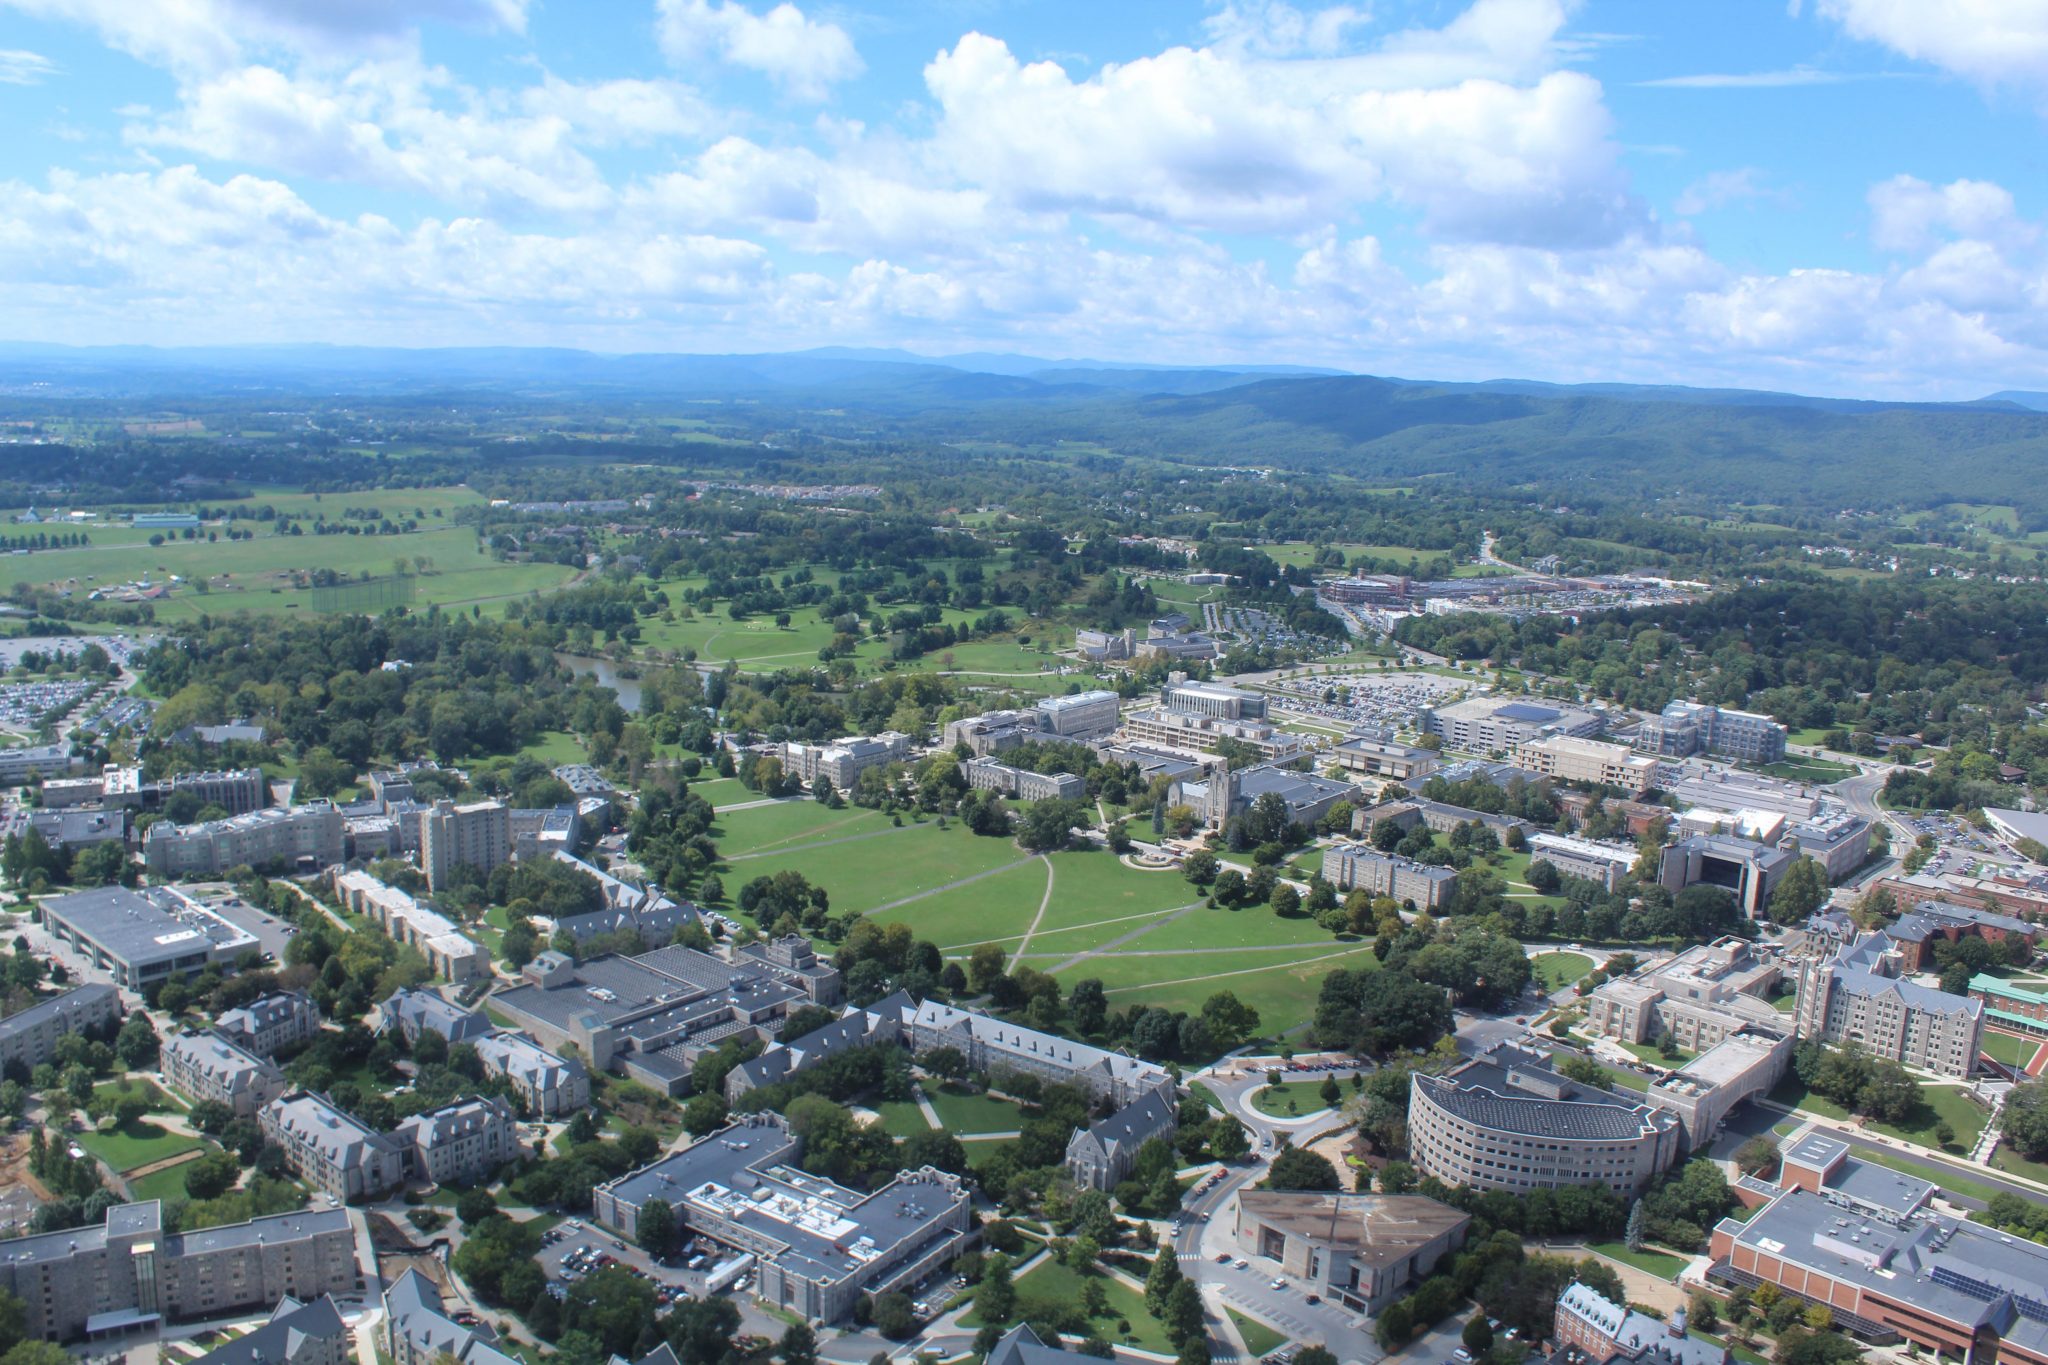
[(1043, 902), (153, 1167)]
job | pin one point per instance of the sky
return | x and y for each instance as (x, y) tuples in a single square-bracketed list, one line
[(1824, 196)]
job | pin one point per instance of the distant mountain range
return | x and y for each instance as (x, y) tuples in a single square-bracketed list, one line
[(1735, 445)]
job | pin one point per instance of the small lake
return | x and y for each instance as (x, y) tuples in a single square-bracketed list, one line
[(606, 673)]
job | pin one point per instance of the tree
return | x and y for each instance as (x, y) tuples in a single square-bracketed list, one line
[(1758, 1156), (212, 1175), (799, 1345), (1477, 1336), (704, 1113), (2024, 1123), (893, 1318), (1200, 867), (1328, 1092), (1634, 1234), (1297, 1168), (995, 1298), (1286, 901), (1801, 891), (1182, 1316), (657, 1228), (136, 1044), (1161, 1279), (1230, 1020)]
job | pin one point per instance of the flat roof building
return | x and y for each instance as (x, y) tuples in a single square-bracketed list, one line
[(993, 1045), (1385, 758), (144, 937), (1361, 1250), (819, 1247), (1485, 725), (1083, 715), (451, 953), (1568, 758), (308, 836), (1603, 864), (477, 835), (1747, 871)]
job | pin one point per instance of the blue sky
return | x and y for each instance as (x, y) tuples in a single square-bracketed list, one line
[(1838, 196)]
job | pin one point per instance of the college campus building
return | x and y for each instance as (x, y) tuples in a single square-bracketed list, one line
[(1851, 991), (418, 1332), (296, 1334), (1590, 1329), (881, 1022), (269, 1024), (331, 1150), (1196, 733), (1439, 816), (993, 732), (987, 775), (30, 762), (304, 837), (477, 835), (991, 1045), (460, 1143), (1225, 793), (1589, 860), (1360, 1250), (1507, 1121), (843, 760), (793, 961), (1697, 998), (413, 1012), (1747, 871), (1929, 923), (1361, 867), (129, 1273), (143, 937), (1485, 725), (1376, 756), (1689, 727), (644, 910), (818, 1246), (206, 1066), (1084, 715), (652, 1016), (1101, 1155), (29, 1036), (1861, 1240), (548, 1085), (450, 952), (1591, 762)]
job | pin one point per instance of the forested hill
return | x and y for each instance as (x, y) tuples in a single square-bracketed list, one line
[(1864, 457)]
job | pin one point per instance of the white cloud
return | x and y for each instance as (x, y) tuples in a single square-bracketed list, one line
[(1719, 189), (1751, 80), (1910, 215), (1451, 121), (1273, 28), (203, 35), (1994, 42), (803, 56), (20, 67)]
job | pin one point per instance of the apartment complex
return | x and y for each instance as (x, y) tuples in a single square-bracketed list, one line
[(994, 1046), (1485, 725), (1851, 991), (1568, 758), (269, 1024), (1361, 867), (30, 762), (460, 1143), (1361, 1250), (144, 937), (331, 1150), (413, 1012), (206, 1066), (1688, 727), (1102, 1154), (302, 837), (450, 952), (548, 1085), (29, 1036), (128, 1272), (843, 760), (1862, 1241), (819, 1247), (477, 835), (1507, 1121)]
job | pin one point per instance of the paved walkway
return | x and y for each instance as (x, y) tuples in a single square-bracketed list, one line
[(949, 886), (1043, 902)]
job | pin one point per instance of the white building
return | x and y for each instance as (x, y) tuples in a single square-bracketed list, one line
[(297, 836), (477, 835), (1572, 759), (449, 951)]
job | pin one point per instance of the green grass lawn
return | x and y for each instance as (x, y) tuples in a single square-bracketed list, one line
[(997, 908), (2007, 1048), (1283, 991), (1793, 1092), (138, 1144), (1051, 1282), (1628, 1080), (1649, 1052), (109, 1093), (1802, 769), (2012, 1163), (1658, 1263), (166, 1184), (901, 1118), (723, 791), (895, 865), (791, 824), (962, 1111), (980, 1153), (1555, 971), (1259, 1339), (557, 747), (1938, 1103), (1291, 1099)]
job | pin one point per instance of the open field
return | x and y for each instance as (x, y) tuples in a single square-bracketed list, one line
[(557, 747), (963, 1112), (2004, 1047), (137, 1144), (878, 867), (770, 829), (1658, 1263)]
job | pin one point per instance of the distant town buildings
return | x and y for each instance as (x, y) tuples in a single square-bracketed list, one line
[(1485, 725), (1568, 758)]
